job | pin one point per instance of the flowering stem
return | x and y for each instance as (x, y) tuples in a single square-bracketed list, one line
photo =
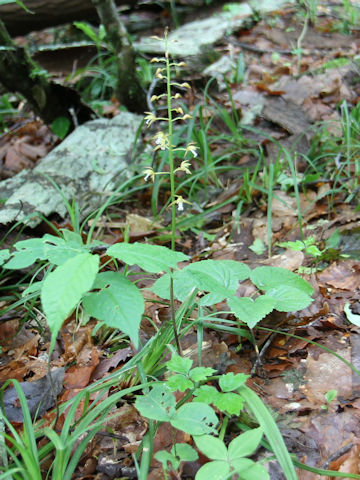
[(172, 189)]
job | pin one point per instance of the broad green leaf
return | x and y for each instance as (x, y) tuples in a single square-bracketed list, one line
[(118, 303), (179, 364), (206, 394), (245, 444), (4, 255), (217, 470), (179, 382), (184, 452), (165, 458), (63, 251), (151, 258), (266, 278), (251, 311), (230, 402), (249, 470), (211, 273), (211, 447), (158, 404), (201, 373), (195, 418), (182, 281), (219, 277), (65, 286), (27, 252), (231, 382), (289, 299)]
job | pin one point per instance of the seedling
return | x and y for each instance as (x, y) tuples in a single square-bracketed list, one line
[(330, 396)]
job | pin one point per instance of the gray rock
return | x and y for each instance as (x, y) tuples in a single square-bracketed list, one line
[(39, 396), (86, 166)]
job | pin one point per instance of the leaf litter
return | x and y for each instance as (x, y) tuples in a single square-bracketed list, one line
[(297, 368)]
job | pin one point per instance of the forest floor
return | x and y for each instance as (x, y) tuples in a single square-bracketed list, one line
[(296, 90)]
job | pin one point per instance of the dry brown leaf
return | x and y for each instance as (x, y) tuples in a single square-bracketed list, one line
[(344, 275), (79, 376)]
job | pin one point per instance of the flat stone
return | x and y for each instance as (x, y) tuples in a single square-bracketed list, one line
[(87, 166)]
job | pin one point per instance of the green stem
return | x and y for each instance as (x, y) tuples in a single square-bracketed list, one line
[(171, 148), (223, 428), (172, 189)]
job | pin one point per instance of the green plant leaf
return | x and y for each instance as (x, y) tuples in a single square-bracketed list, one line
[(34, 287), (331, 395), (182, 281), (212, 447), (296, 246), (249, 470), (88, 30), (219, 277), (151, 258), (65, 286), (158, 404), (266, 278), (230, 402), (258, 246), (227, 273), (195, 418), (165, 458), (199, 374), (251, 311), (60, 126), (179, 382), (4, 255), (271, 430), (179, 364), (206, 394), (288, 299), (58, 250), (217, 470), (118, 303), (185, 452), (313, 250), (245, 444), (231, 382), (27, 252)]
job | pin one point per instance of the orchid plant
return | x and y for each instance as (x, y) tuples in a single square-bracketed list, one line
[(164, 141)]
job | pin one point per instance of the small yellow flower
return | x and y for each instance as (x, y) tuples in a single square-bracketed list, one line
[(158, 73), (161, 141), (180, 202), (178, 110), (176, 96), (184, 167), (149, 173), (185, 85), (150, 118), (157, 60), (191, 148)]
